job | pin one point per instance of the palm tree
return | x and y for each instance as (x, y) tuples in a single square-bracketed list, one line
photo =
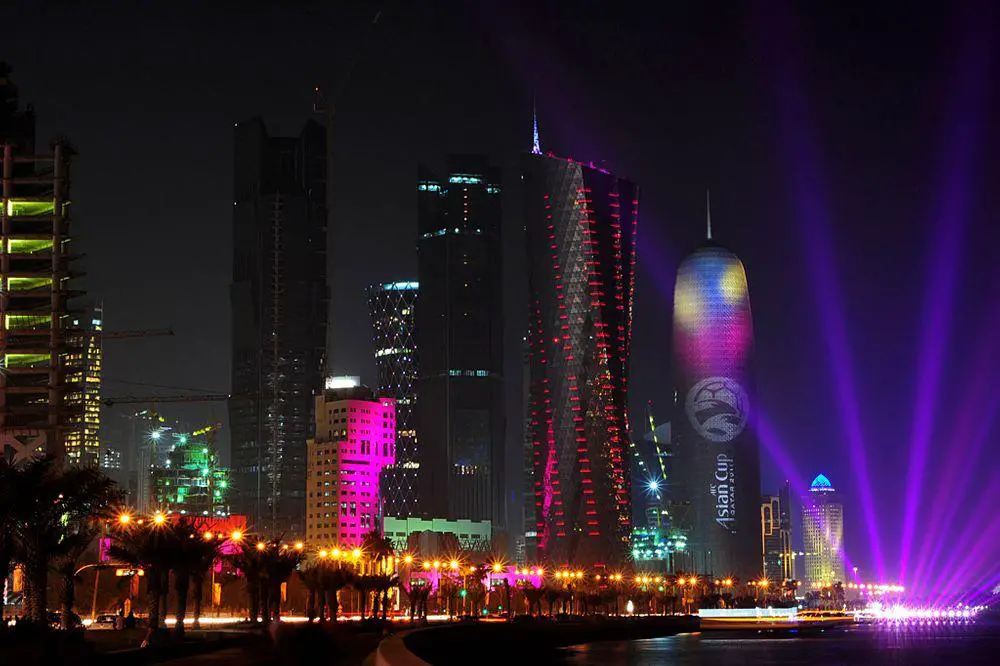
[(266, 565), (378, 547), (312, 578), (53, 503), (145, 545), (8, 499), (334, 578), (191, 556), (73, 548)]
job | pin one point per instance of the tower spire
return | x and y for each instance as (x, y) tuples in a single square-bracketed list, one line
[(536, 146), (708, 214)]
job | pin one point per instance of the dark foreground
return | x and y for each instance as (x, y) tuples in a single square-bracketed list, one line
[(859, 646), (532, 640)]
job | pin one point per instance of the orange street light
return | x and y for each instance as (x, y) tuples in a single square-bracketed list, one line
[(453, 564), (124, 518), (336, 553), (356, 553), (299, 545), (159, 518), (208, 536), (261, 545), (323, 554), (436, 564), (427, 565), (236, 535), (408, 559), (497, 568), (541, 571)]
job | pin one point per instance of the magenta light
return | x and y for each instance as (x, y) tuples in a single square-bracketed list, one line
[(961, 141), (782, 51)]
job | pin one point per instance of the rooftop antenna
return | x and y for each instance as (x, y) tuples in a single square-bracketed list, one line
[(708, 214), (536, 145)]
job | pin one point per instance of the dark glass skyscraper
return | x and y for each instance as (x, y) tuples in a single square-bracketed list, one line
[(460, 414), (717, 455), (279, 300), (393, 307), (581, 224)]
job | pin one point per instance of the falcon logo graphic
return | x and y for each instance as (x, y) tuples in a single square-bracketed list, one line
[(717, 408)]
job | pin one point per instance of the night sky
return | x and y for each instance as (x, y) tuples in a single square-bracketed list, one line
[(852, 154)]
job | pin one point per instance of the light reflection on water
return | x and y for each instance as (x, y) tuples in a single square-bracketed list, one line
[(860, 646)]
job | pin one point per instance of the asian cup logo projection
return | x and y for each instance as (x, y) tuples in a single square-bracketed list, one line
[(717, 409)]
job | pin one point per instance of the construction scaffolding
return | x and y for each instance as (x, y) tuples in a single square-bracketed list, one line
[(42, 353)]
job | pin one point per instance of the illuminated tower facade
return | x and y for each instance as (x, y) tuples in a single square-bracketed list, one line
[(279, 299), (459, 331), (355, 441), (581, 224), (717, 454), (41, 350), (776, 536), (82, 443), (823, 535), (393, 308)]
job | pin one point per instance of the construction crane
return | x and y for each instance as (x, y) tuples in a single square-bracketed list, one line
[(140, 399), (122, 335)]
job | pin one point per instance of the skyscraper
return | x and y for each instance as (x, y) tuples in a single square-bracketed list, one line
[(83, 438), (42, 351), (776, 536), (393, 310), (279, 300), (581, 224), (717, 456), (459, 328), (355, 440), (823, 535)]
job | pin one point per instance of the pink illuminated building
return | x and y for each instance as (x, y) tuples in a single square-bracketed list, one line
[(355, 439)]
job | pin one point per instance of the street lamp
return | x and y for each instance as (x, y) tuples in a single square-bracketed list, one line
[(159, 518), (408, 559), (261, 545), (124, 519), (299, 545), (236, 535)]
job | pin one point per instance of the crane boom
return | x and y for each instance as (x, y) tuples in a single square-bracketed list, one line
[(138, 399), (122, 335)]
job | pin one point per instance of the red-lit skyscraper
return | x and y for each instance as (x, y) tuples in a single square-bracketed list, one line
[(580, 222)]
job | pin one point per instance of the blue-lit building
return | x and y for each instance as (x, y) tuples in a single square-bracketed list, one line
[(717, 457), (393, 308)]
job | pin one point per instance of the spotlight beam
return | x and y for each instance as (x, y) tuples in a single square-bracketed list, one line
[(961, 142), (803, 157)]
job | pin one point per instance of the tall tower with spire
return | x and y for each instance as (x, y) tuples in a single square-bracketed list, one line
[(581, 245), (536, 144), (717, 454)]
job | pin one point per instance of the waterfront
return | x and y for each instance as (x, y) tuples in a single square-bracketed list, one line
[(858, 646)]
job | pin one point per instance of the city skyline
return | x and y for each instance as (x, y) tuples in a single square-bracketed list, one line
[(849, 212)]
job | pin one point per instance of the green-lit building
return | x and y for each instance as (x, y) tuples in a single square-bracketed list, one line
[(43, 347), (657, 549), (191, 481)]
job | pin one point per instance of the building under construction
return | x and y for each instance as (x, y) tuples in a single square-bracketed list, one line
[(42, 352), (191, 481), (279, 299)]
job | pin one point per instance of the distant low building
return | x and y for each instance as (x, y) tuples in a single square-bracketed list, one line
[(439, 536)]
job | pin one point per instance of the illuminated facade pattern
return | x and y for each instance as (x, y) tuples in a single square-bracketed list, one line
[(459, 334), (355, 440), (581, 224), (717, 455), (393, 307), (413, 534), (83, 438), (823, 535), (776, 536), (191, 481), (41, 352), (279, 299)]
